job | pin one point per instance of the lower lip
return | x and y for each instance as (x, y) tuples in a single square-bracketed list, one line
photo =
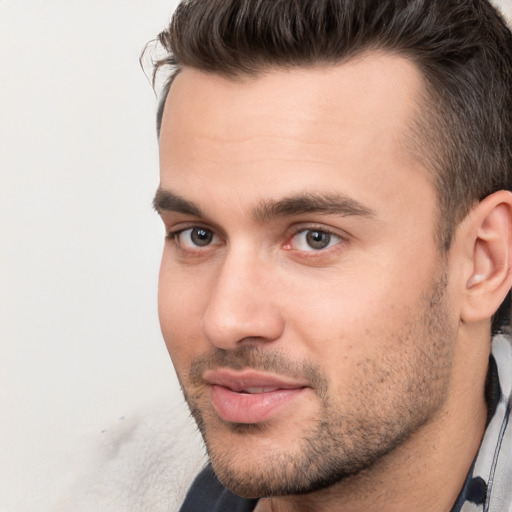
[(251, 408)]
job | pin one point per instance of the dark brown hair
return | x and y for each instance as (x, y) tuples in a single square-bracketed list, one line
[(463, 49)]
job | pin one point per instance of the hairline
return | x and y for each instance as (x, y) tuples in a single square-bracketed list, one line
[(426, 122)]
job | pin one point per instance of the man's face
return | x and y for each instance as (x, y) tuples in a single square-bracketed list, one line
[(302, 296)]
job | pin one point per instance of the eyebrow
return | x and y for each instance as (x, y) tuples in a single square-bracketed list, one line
[(330, 204), (167, 201), (300, 204)]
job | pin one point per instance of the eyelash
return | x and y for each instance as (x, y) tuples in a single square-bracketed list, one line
[(173, 236), (311, 229)]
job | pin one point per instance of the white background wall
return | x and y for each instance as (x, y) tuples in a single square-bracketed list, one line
[(80, 344)]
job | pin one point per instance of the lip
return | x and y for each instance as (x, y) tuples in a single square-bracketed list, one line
[(249, 396)]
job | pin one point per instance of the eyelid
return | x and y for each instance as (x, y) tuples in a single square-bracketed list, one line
[(218, 238), (175, 223), (314, 227), (175, 228), (174, 234), (317, 227)]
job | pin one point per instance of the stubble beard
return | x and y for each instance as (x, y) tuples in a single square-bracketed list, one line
[(384, 409)]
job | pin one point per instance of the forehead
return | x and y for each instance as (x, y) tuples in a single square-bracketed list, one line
[(384, 85), (286, 127)]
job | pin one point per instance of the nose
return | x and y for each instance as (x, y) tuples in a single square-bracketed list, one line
[(242, 308)]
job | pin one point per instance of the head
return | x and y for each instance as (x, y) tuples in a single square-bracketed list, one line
[(315, 155)]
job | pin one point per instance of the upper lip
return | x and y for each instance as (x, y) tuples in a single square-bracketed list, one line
[(249, 379)]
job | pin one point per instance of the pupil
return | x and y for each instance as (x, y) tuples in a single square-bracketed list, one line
[(318, 239), (201, 237)]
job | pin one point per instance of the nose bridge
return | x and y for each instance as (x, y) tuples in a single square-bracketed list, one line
[(241, 306)]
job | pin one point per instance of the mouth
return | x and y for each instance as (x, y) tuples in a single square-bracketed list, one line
[(251, 397), (255, 391)]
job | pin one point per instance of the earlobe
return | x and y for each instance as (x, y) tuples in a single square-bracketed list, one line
[(490, 238)]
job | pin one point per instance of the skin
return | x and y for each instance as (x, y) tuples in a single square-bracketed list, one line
[(380, 347)]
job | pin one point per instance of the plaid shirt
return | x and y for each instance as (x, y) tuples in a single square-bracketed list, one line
[(488, 487)]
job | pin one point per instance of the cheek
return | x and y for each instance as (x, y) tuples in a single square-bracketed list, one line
[(180, 306), (345, 324)]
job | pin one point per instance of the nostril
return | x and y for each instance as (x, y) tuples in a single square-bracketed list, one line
[(229, 329)]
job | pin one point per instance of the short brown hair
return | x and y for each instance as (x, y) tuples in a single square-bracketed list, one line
[(463, 49)]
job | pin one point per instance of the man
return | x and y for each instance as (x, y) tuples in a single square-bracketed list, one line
[(335, 185)]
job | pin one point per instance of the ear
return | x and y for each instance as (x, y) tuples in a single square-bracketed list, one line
[(488, 232)]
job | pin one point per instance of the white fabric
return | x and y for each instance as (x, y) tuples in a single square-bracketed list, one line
[(143, 462)]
